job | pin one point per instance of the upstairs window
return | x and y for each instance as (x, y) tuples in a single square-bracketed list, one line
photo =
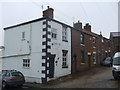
[(54, 33), (23, 35), (64, 59), (26, 63), (64, 33), (82, 38), (94, 41), (102, 40)]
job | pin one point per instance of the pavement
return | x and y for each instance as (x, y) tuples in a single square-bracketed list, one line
[(66, 78)]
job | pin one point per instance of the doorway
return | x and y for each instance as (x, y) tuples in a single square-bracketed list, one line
[(51, 72), (89, 59)]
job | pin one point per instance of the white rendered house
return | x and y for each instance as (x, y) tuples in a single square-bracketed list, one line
[(40, 49), (0, 60)]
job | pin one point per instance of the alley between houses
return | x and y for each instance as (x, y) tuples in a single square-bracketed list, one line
[(99, 77)]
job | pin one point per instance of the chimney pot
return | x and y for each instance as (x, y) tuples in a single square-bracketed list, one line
[(48, 7), (78, 25), (87, 24), (87, 27), (48, 12)]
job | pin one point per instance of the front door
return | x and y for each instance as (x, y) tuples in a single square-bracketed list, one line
[(51, 72), (89, 63)]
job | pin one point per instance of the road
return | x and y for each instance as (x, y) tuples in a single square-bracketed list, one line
[(96, 78), (100, 77)]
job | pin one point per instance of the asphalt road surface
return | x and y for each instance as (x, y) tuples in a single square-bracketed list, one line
[(94, 78)]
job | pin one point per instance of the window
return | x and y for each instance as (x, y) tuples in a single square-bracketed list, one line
[(23, 35), (18, 74), (54, 33), (102, 41), (82, 57), (26, 63), (94, 58), (94, 41), (6, 74), (82, 38), (64, 33), (64, 59)]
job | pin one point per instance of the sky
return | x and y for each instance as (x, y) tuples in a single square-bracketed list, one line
[(101, 15)]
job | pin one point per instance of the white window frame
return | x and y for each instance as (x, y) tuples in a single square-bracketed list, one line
[(94, 39), (102, 40), (64, 33), (64, 58), (26, 63), (94, 58), (54, 33), (94, 42), (82, 38)]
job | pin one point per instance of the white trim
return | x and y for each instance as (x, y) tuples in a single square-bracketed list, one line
[(89, 53), (94, 52), (82, 45)]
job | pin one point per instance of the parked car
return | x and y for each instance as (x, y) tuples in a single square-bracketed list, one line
[(116, 66), (102, 61), (12, 78), (108, 61)]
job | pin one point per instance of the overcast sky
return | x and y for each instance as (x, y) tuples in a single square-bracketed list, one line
[(103, 16)]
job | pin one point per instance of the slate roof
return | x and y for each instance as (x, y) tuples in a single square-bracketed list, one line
[(115, 34)]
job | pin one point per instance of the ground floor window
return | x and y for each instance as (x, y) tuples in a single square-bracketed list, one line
[(82, 57), (64, 59), (94, 58), (26, 63)]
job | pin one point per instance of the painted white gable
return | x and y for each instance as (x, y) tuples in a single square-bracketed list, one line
[(37, 46)]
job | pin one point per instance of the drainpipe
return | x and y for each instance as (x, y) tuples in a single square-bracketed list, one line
[(30, 42)]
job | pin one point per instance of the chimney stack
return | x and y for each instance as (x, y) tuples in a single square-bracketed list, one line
[(48, 12), (87, 27), (78, 25)]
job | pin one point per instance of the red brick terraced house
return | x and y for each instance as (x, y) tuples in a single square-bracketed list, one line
[(88, 48)]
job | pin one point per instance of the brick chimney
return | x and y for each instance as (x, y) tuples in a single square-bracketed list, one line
[(87, 27), (48, 12), (78, 25)]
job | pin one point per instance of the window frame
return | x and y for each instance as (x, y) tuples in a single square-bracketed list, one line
[(64, 58), (64, 33), (26, 63), (94, 39), (23, 35), (94, 58), (94, 42), (54, 33), (82, 56), (82, 38)]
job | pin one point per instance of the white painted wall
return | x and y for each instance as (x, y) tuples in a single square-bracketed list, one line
[(0, 60), (57, 47), (15, 46), (31, 48)]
